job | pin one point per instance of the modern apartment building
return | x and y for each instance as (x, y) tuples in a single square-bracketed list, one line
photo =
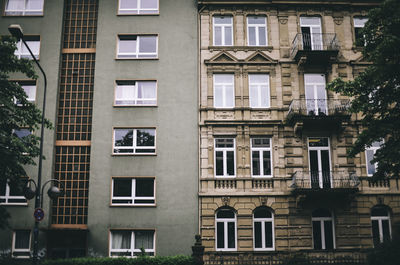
[(122, 96), (274, 174)]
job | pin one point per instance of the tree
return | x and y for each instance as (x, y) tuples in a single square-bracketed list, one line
[(15, 152), (376, 92)]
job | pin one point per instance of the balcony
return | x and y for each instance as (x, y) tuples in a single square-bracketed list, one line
[(318, 113), (322, 187), (315, 48)]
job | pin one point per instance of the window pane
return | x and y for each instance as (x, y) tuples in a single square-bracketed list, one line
[(262, 36), (147, 89), (34, 4), (148, 3), (122, 187), (375, 232), (262, 212), (257, 235), (310, 21), (385, 230), (379, 211), (230, 163), (254, 96), (223, 78), (360, 22), (21, 133), (328, 234), (123, 137), (256, 163), (145, 137), (217, 35), (267, 163), (127, 46), (223, 20), (144, 239), (256, 20), (370, 167), (22, 239), (144, 187), (121, 239), (268, 235), (228, 35), (231, 235), (128, 4), (260, 142), (220, 235), (15, 5), (16, 189), (224, 142), (148, 44), (321, 213), (219, 164), (30, 91), (252, 36), (3, 184), (264, 96), (317, 234), (218, 97), (229, 97), (225, 213)]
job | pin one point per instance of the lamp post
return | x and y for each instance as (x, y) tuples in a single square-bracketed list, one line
[(17, 32)]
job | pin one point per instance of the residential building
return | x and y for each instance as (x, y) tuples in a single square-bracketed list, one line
[(122, 96), (274, 172)]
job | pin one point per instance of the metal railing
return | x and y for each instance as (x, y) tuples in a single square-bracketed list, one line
[(318, 107), (324, 180), (314, 42)]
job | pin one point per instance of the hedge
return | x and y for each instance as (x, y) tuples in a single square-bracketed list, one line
[(158, 260)]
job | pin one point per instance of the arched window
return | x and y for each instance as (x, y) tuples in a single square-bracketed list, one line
[(263, 229), (323, 229), (380, 220), (225, 235)]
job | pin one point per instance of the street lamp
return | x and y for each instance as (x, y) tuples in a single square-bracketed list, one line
[(30, 193)]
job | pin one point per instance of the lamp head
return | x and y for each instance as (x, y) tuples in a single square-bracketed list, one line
[(16, 31), (54, 192), (29, 191)]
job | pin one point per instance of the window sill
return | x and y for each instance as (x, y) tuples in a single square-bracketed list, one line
[(136, 59), (133, 206), (241, 48), (127, 14), (135, 106), (127, 154), (7, 15), (14, 204)]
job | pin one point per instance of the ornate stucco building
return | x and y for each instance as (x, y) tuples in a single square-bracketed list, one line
[(274, 175)]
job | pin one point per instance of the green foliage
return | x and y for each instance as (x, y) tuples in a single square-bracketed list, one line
[(15, 152), (142, 260), (388, 253), (376, 91)]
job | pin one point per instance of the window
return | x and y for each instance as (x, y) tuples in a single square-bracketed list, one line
[(33, 43), (224, 95), (136, 93), (30, 90), (320, 162), (223, 31), (381, 228), (261, 158), (311, 33), (12, 194), (134, 141), (369, 155), (259, 91), (137, 46), (323, 229), (256, 31), (24, 7), (21, 244), (128, 243), (263, 221), (359, 23), (225, 230), (133, 191), (225, 157), (316, 98), (138, 7)]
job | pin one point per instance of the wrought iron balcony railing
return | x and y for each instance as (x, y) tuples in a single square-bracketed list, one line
[(317, 180), (318, 107), (314, 42)]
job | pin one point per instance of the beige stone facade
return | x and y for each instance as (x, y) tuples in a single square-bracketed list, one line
[(351, 194)]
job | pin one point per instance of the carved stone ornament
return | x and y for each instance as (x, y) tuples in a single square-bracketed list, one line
[(283, 19), (338, 20), (225, 200), (263, 200)]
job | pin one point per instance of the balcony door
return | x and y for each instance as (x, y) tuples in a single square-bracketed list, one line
[(316, 98), (320, 162), (311, 31)]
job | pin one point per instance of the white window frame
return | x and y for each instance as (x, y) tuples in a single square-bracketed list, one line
[(136, 55), (224, 92), (135, 98), (15, 250), (20, 45), (319, 157), (259, 89), (373, 149), (257, 27), (24, 11), (260, 151), (316, 41), (132, 248), (358, 22), (225, 221), (315, 100), (224, 151), (322, 220), (134, 146), (138, 9), (7, 197), (380, 226), (223, 27), (263, 221), (133, 196)]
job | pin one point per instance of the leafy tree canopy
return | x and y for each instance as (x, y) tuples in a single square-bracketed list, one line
[(376, 91), (15, 152)]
